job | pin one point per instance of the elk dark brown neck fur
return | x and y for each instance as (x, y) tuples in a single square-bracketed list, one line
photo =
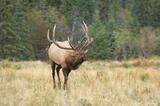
[(65, 56), (75, 60)]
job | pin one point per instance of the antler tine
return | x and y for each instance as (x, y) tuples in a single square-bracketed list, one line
[(71, 43), (80, 43), (54, 30), (54, 41), (84, 29), (85, 26), (86, 34), (91, 40), (88, 41), (48, 36)]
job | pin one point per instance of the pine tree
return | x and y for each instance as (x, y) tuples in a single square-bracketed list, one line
[(103, 44), (147, 12), (14, 35)]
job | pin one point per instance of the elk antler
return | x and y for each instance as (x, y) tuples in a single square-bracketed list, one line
[(56, 42), (86, 39)]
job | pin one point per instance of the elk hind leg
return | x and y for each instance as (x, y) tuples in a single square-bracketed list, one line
[(59, 80), (53, 74)]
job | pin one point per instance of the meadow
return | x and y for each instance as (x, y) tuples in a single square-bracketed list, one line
[(95, 83)]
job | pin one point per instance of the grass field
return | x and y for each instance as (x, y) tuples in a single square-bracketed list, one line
[(95, 83)]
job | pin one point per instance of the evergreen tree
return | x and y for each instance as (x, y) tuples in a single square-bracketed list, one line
[(78, 8), (147, 12), (103, 44), (14, 35)]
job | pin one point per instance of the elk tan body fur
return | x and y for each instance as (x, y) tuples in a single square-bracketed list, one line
[(58, 55)]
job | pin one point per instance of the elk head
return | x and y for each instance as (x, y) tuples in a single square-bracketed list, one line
[(66, 55)]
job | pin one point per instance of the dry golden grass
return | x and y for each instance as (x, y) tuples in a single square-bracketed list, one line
[(96, 83)]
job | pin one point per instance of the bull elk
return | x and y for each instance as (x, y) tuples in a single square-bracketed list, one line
[(66, 56)]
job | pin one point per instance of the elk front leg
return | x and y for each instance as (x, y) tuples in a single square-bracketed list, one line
[(65, 73), (53, 74), (59, 80)]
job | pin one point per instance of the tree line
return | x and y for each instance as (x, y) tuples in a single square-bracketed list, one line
[(121, 29)]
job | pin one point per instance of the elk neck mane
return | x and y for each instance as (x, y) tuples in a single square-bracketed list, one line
[(74, 60)]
